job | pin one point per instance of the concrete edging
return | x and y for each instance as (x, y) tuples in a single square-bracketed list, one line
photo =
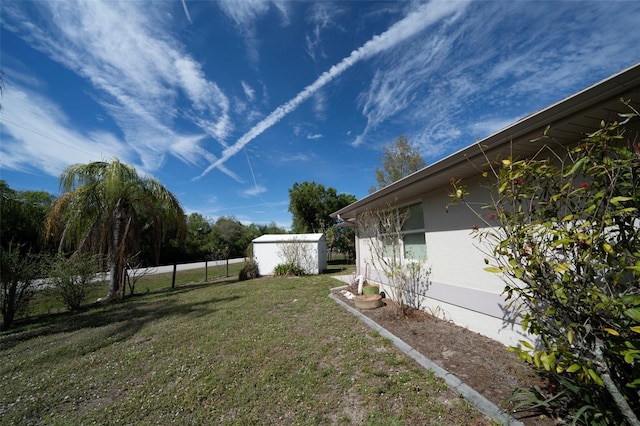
[(474, 398)]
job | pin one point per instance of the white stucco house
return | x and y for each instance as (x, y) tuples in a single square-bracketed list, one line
[(459, 289), (308, 250)]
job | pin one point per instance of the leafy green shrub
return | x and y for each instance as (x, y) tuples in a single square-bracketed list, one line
[(288, 269), (297, 258), (249, 270), (19, 270), (563, 230), (70, 278)]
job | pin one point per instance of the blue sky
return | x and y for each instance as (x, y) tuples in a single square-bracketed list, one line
[(228, 103)]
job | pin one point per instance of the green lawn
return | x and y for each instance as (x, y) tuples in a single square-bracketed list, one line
[(266, 351), (46, 302)]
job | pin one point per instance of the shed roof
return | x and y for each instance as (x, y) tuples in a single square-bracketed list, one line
[(569, 120), (289, 238)]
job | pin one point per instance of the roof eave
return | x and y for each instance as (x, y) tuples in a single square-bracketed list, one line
[(602, 91)]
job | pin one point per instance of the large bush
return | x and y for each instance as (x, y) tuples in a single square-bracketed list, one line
[(250, 270), (19, 270), (564, 231)]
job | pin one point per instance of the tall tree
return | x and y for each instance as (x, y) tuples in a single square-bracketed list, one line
[(399, 160), (22, 215), (255, 230), (198, 238), (105, 205), (311, 204), (230, 237)]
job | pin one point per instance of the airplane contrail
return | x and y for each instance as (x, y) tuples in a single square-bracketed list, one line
[(412, 24), (186, 11)]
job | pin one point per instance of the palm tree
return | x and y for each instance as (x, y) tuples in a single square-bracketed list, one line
[(105, 206)]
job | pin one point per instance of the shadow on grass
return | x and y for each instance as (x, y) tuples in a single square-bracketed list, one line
[(128, 315), (183, 288), (337, 266)]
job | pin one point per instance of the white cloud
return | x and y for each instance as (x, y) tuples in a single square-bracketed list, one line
[(283, 8), (254, 191), (239, 106), (436, 88), (300, 131), (322, 15), (217, 210), (320, 105), (396, 85), (248, 91), (265, 94), (415, 22), (279, 158), (244, 15), (137, 71), (37, 135), (488, 126), (254, 115)]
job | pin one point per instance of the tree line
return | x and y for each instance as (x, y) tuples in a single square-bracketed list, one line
[(108, 216)]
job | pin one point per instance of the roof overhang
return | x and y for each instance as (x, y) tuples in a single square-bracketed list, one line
[(568, 120)]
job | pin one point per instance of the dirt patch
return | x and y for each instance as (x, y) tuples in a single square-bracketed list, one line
[(482, 363)]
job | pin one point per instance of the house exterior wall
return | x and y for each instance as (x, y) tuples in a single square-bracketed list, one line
[(269, 254), (458, 288)]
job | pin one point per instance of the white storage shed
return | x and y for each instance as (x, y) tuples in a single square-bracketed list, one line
[(309, 251)]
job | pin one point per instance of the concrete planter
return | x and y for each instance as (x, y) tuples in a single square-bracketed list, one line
[(370, 301)]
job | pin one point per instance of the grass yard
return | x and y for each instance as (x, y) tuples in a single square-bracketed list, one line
[(46, 302), (266, 351)]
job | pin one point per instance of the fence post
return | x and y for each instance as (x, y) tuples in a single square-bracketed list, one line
[(227, 266), (173, 280), (123, 280), (206, 262)]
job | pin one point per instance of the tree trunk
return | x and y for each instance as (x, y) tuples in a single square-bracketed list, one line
[(605, 375), (119, 216), (9, 305)]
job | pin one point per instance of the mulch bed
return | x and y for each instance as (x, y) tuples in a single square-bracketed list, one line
[(482, 363)]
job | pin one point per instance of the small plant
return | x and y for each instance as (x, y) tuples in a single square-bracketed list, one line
[(134, 272), (288, 269), (70, 278), (406, 276), (298, 258), (249, 270)]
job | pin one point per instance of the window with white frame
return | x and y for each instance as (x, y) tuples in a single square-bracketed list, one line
[(410, 237)]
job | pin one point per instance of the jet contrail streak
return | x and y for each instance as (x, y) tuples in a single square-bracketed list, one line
[(186, 11), (412, 24)]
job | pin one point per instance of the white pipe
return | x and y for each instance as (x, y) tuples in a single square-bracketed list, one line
[(360, 280)]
